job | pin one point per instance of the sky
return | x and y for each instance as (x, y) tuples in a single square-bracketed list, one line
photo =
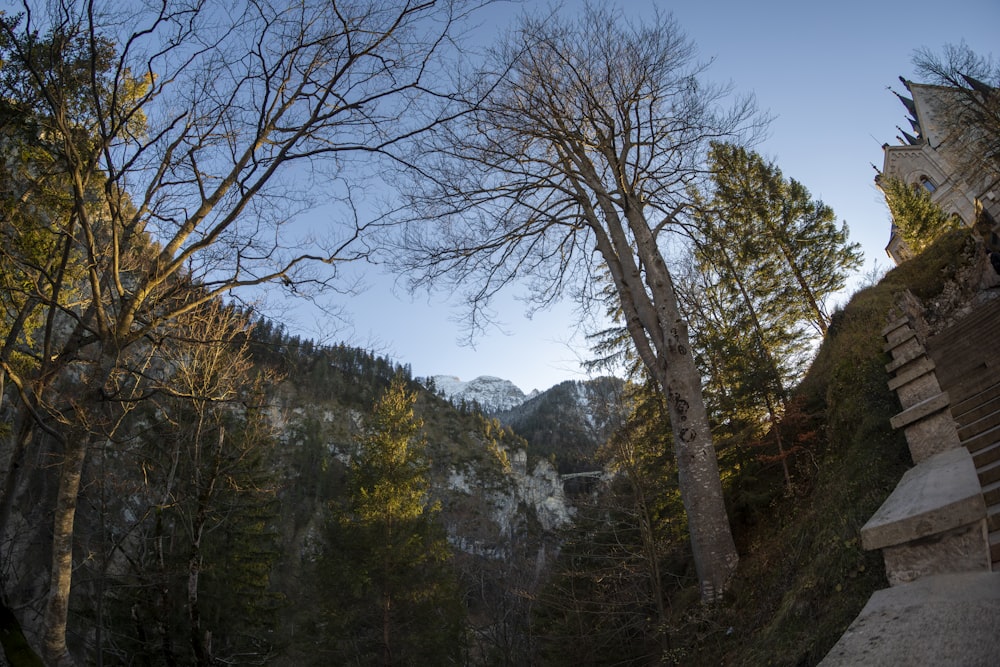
[(821, 69)]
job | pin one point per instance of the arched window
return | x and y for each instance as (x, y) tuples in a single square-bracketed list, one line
[(928, 184)]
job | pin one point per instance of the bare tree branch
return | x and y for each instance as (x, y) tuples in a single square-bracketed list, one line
[(582, 134)]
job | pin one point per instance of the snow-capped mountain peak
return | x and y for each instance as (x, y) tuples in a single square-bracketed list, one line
[(493, 394)]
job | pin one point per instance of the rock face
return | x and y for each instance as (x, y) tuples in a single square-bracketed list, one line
[(492, 394), (489, 495), (504, 505), (541, 490)]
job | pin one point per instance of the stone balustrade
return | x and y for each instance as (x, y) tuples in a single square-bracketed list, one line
[(943, 602), (933, 522), (926, 418)]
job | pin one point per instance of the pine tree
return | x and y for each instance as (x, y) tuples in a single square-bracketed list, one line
[(917, 219), (767, 258), (394, 601), (778, 228)]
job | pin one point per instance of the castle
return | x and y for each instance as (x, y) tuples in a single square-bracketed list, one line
[(939, 157)]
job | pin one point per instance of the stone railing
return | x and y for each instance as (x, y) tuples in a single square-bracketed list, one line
[(943, 602), (935, 520)]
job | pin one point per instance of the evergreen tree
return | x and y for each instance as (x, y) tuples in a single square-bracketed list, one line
[(778, 231), (767, 258), (917, 219), (393, 598), (200, 553), (608, 599)]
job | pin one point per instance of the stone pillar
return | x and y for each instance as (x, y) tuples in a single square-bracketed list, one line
[(926, 417), (933, 522)]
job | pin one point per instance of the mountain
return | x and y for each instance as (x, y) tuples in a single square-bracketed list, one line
[(491, 394), (569, 422), (566, 423)]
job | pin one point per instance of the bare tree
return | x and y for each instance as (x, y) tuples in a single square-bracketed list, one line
[(580, 162), (190, 135), (970, 111)]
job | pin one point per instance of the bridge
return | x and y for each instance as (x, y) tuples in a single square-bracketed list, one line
[(595, 474)]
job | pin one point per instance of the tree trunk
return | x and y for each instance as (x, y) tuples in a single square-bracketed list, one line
[(697, 463), (76, 445), (776, 429), (652, 318), (697, 468), (57, 606)]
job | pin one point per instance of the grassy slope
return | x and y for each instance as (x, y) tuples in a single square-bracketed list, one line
[(803, 575)]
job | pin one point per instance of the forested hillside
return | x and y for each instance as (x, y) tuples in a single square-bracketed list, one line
[(569, 422), (237, 530), (184, 482)]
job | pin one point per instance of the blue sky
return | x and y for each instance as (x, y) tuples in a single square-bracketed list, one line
[(821, 69)]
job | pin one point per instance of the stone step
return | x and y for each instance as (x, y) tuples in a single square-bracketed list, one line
[(986, 390), (991, 493), (983, 440), (984, 423), (959, 354), (962, 352), (972, 382), (989, 473), (986, 456), (947, 619), (980, 418), (962, 361), (993, 518), (969, 332)]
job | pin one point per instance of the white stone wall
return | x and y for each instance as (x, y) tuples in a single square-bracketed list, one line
[(936, 159)]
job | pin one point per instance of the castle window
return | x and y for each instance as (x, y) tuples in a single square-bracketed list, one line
[(928, 184)]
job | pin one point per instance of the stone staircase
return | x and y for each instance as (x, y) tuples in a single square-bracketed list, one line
[(967, 360), (939, 530)]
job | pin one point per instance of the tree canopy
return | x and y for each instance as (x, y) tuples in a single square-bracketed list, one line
[(915, 216), (972, 111), (170, 150), (576, 160)]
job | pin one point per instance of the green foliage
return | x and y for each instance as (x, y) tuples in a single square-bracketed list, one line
[(388, 473), (342, 373), (917, 219), (393, 597), (803, 575), (767, 257), (785, 243)]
